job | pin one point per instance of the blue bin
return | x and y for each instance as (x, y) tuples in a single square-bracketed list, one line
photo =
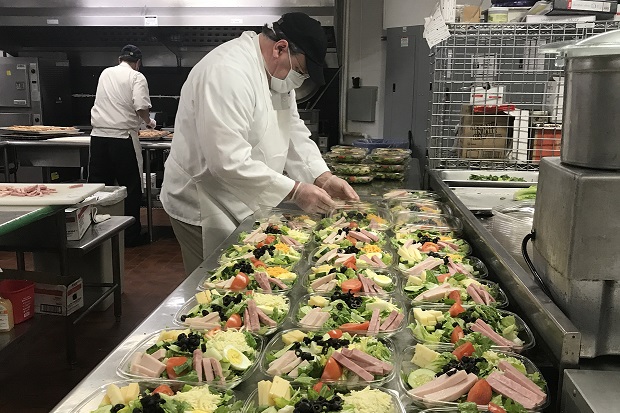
[(371, 144)]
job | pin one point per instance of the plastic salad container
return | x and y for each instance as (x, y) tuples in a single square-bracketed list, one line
[(349, 312), (441, 223), (344, 234), (412, 374), (128, 391), (437, 293), (293, 219), (366, 216), (357, 169), (424, 206), (350, 156), (229, 346), (325, 279), (390, 176), (470, 266), (367, 256), (446, 243), (311, 346), (388, 159), (511, 325), (377, 167), (348, 149), (281, 278), (351, 398), (411, 194), (276, 253), (221, 310), (359, 179)]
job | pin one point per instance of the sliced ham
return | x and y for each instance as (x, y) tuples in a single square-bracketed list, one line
[(359, 236), (217, 370), (370, 235), (473, 293), (427, 264), (277, 282), (262, 280), (327, 256), (208, 370), (321, 319), (295, 372), (488, 298), (515, 375), (140, 370), (373, 287), (342, 258), (358, 355), (250, 237), (378, 262), (289, 241), (197, 362), (159, 354), (486, 330), (327, 287), (373, 327), (437, 293), (246, 320), (228, 283), (331, 237), (364, 282), (454, 392), (340, 221), (408, 243), (152, 364), (265, 318), (366, 259), (349, 364), (323, 280), (388, 321), (275, 367), (290, 366), (440, 383), (255, 323), (513, 390), (310, 317)]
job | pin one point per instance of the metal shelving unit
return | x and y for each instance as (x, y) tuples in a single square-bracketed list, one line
[(488, 60)]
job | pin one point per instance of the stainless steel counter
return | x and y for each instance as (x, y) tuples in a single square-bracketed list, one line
[(162, 317)]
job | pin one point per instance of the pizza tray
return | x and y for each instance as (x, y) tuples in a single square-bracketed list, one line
[(64, 195)]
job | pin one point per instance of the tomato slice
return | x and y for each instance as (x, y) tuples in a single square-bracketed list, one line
[(257, 263), (240, 282), (456, 335), (350, 263), (481, 393), (332, 370), (234, 321), (269, 239), (164, 389), (456, 296), (317, 387), (355, 326), (456, 309), (429, 246), (353, 285), (351, 240), (493, 408), (172, 363), (335, 333), (466, 349), (443, 277), (353, 224)]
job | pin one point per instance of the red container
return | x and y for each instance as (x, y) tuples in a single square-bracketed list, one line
[(21, 295)]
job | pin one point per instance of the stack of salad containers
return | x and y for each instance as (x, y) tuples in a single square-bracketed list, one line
[(389, 163), (348, 162), (371, 307)]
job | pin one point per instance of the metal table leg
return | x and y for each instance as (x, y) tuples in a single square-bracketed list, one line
[(116, 277), (149, 200)]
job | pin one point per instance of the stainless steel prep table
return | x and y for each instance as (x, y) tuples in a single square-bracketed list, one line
[(163, 316), (74, 152)]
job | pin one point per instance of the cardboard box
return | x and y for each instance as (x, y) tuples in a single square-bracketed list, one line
[(77, 219), (468, 14), (487, 97), (554, 98), (484, 135), (53, 294)]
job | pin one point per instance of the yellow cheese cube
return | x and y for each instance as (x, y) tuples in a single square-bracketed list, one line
[(105, 401), (263, 393), (204, 297), (294, 336), (280, 388), (114, 394), (423, 356), (413, 280), (132, 391), (318, 301)]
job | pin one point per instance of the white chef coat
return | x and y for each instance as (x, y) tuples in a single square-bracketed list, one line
[(121, 92), (230, 145)]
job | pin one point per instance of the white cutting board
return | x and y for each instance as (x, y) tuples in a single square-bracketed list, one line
[(63, 196)]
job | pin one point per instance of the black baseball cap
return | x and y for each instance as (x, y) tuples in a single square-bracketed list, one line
[(307, 34), (131, 51)]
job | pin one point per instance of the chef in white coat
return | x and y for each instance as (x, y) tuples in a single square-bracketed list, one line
[(237, 130), (122, 103)]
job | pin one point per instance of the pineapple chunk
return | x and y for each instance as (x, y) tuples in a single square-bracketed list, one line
[(318, 301), (204, 297), (293, 337), (115, 395), (132, 392)]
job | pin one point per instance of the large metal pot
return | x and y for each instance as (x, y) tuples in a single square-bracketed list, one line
[(590, 121), (591, 124)]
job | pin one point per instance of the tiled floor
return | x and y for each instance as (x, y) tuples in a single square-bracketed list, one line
[(35, 376)]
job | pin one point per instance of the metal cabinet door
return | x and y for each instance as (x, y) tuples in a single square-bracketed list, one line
[(14, 87)]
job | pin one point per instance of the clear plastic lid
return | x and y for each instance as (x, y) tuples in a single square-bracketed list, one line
[(294, 219), (524, 332), (433, 222), (363, 258), (251, 404), (391, 151), (334, 318), (276, 344), (365, 215), (183, 317), (602, 44), (389, 159), (315, 283), (352, 168), (93, 401), (348, 149), (234, 376), (345, 157), (473, 267), (407, 367), (411, 194), (447, 244), (418, 297), (425, 206), (336, 235)]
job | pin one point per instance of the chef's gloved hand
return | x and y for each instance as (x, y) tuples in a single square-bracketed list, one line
[(152, 124), (311, 198), (337, 187)]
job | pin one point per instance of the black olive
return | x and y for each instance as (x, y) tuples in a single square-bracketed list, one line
[(204, 312), (116, 408), (183, 318)]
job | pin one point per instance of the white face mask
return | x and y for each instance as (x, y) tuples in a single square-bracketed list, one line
[(292, 80)]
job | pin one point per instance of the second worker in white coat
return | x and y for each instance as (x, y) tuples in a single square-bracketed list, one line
[(237, 130)]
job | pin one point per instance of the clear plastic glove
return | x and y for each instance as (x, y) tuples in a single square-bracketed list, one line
[(312, 199), (339, 188), (152, 124)]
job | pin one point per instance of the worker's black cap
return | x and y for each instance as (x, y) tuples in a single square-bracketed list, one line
[(131, 51), (307, 34)]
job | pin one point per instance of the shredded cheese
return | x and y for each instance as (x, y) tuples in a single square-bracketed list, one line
[(275, 271), (369, 401), (224, 338), (282, 247), (376, 218), (371, 248), (200, 398), (271, 300)]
